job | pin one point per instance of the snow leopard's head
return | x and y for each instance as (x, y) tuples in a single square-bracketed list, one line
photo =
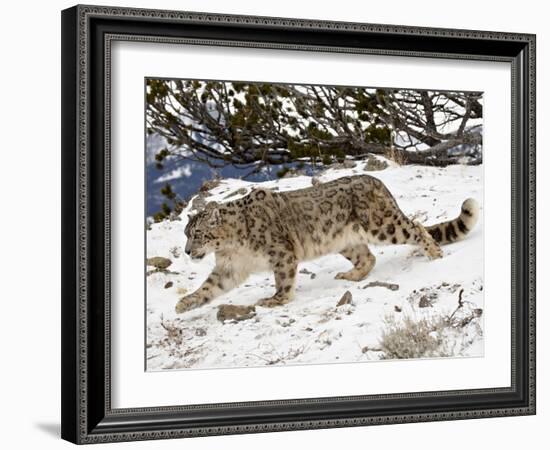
[(205, 232)]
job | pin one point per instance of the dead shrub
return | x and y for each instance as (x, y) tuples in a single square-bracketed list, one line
[(409, 338)]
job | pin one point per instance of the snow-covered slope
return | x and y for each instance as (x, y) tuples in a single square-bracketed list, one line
[(312, 328)]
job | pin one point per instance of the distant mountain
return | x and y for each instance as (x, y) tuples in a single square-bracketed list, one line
[(186, 177)]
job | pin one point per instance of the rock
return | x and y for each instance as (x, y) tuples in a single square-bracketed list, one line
[(175, 251), (397, 308), (285, 324), (169, 285), (374, 164), (235, 312), (240, 191), (159, 262), (346, 299), (425, 302), (304, 271), (293, 173), (349, 164), (210, 184), (390, 286), (200, 332)]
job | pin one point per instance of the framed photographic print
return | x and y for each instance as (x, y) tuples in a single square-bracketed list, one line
[(282, 224)]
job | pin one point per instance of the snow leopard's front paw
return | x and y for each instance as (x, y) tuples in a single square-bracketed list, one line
[(274, 301), (352, 275), (190, 302)]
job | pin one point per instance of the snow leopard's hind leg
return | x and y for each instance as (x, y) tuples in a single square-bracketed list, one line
[(362, 259), (384, 222), (399, 229)]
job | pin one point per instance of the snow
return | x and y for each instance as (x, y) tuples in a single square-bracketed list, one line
[(311, 328)]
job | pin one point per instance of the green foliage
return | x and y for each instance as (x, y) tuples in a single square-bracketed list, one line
[(161, 155), (241, 123), (172, 207), (156, 89), (302, 149), (165, 209), (252, 111), (282, 172), (159, 217), (168, 192), (379, 135), (326, 160), (316, 132)]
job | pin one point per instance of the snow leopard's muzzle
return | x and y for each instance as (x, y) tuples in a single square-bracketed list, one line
[(194, 253)]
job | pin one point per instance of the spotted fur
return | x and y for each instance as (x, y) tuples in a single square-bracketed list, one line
[(274, 231)]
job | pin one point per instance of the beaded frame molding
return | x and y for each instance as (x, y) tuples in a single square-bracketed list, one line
[(87, 35)]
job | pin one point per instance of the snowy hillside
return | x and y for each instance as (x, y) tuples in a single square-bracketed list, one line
[(312, 328)]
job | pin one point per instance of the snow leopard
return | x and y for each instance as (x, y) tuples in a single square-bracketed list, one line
[(274, 231)]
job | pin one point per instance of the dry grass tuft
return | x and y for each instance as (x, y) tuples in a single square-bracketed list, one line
[(408, 338)]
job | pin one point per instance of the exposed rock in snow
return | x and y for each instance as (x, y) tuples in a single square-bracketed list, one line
[(159, 262), (346, 299), (235, 312)]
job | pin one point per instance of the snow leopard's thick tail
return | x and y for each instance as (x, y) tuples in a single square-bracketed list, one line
[(456, 229)]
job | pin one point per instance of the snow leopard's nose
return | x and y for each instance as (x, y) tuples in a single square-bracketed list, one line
[(188, 248)]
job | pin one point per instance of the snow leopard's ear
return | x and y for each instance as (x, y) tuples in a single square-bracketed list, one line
[(211, 205), (191, 220), (214, 218)]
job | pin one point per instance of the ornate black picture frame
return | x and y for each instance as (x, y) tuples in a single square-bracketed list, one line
[(87, 35)]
